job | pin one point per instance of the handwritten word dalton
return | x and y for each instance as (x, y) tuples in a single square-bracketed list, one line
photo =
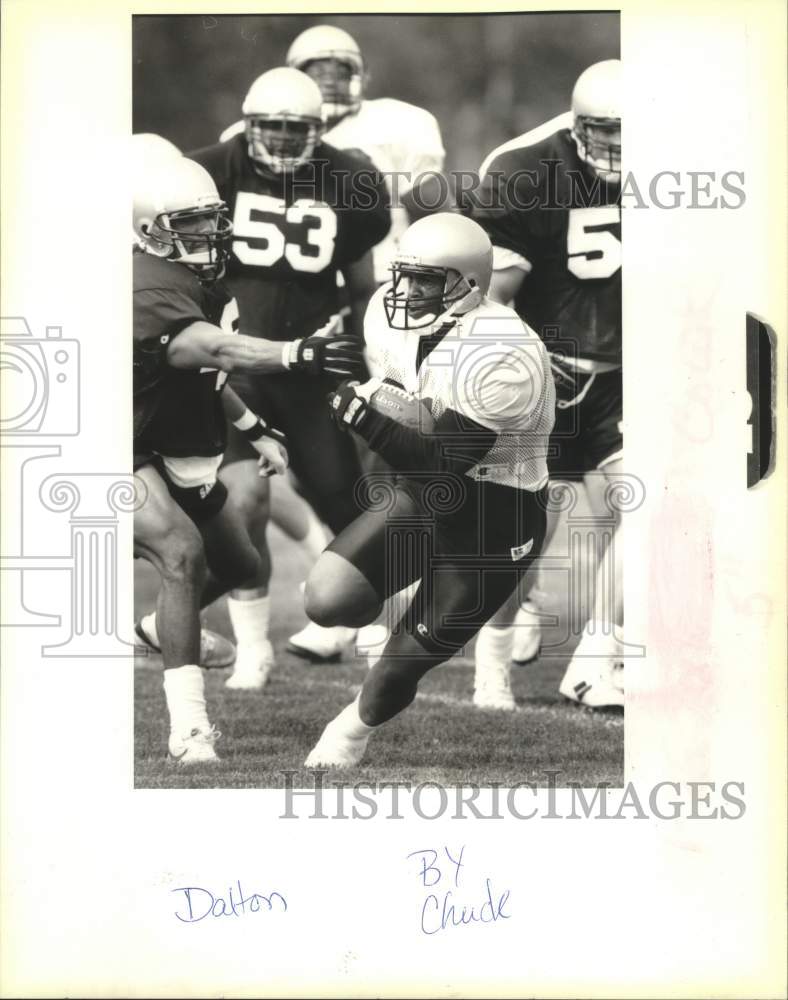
[(198, 903)]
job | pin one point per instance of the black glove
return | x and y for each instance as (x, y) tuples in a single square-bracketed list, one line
[(347, 409), (316, 355)]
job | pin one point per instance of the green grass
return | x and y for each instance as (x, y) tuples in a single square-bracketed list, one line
[(440, 738)]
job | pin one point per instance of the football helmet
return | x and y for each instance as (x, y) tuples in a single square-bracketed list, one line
[(149, 148), (596, 110), (179, 215), (334, 61), (444, 262), (282, 119)]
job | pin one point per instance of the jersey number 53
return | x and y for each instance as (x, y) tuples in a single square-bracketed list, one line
[(592, 250), (315, 223)]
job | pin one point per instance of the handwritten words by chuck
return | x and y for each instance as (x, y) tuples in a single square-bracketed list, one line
[(453, 897)]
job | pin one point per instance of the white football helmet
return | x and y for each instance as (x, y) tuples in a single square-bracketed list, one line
[(282, 119), (446, 261), (596, 109), (179, 215), (333, 59), (147, 148)]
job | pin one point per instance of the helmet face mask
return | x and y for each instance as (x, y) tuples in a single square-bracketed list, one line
[(331, 57), (196, 237), (341, 85), (420, 293), (599, 145), (281, 144)]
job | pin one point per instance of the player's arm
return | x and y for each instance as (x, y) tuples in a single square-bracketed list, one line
[(454, 444), (360, 283), (268, 442), (201, 344)]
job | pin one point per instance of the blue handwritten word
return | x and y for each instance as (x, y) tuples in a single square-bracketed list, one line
[(202, 903), (440, 910)]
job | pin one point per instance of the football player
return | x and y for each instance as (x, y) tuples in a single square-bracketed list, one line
[(402, 140), (186, 340), (552, 208), (464, 418), (302, 212), (404, 143)]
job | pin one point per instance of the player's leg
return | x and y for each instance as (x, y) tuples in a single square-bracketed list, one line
[(355, 575), (325, 464), (165, 537), (452, 602), (248, 603), (296, 519), (594, 675)]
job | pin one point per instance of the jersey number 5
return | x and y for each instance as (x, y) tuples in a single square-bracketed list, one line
[(318, 232), (592, 250)]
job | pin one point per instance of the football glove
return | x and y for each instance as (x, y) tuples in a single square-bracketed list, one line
[(318, 355), (347, 406)]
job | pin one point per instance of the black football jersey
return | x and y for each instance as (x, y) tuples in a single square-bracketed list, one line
[(177, 412), (542, 202), (293, 231)]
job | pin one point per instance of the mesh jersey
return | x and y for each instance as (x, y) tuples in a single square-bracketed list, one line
[(397, 137), (177, 412), (490, 367), (292, 233), (568, 239)]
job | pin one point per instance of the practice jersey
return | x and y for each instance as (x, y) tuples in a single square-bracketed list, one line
[(400, 139), (488, 366), (177, 412), (548, 214), (293, 231)]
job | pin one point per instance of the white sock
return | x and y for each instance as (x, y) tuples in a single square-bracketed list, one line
[(249, 620), (349, 723), (494, 645), (315, 539), (185, 693)]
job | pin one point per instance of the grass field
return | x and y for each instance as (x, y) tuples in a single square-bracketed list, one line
[(440, 738)]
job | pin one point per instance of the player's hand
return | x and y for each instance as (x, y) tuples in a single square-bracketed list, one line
[(272, 449), (347, 406), (340, 356)]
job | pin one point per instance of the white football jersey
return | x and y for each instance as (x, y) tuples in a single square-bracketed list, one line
[(398, 138), (491, 367)]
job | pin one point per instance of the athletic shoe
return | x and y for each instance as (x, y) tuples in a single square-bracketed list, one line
[(492, 685), (196, 748), (334, 749), (215, 651), (322, 645), (252, 667), (527, 633), (595, 675)]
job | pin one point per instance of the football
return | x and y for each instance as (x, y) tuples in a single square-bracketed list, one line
[(402, 406)]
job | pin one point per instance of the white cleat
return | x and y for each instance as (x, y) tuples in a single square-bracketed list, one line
[(595, 675), (215, 651), (336, 750), (370, 642), (527, 633), (252, 668), (196, 748), (323, 645), (492, 686)]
